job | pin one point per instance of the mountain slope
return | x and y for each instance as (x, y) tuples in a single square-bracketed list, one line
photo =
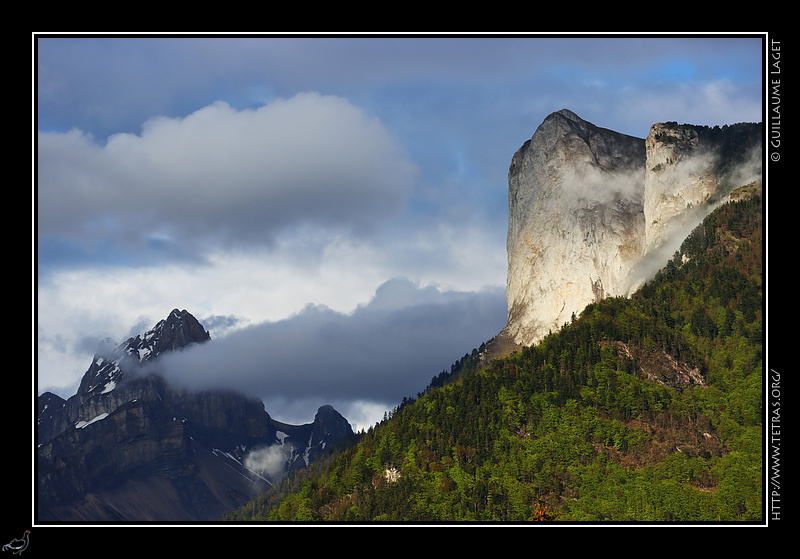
[(640, 409)]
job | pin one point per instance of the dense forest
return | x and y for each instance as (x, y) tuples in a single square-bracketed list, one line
[(641, 409)]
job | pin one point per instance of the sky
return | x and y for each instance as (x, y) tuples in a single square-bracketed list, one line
[(333, 209)]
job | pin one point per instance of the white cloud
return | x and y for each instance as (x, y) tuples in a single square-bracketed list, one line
[(222, 174), (270, 460), (94, 303), (709, 103)]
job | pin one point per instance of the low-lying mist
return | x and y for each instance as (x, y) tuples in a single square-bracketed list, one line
[(383, 351)]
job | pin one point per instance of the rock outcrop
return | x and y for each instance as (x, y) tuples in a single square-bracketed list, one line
[(593, 212), (678, 177), (689, 169)]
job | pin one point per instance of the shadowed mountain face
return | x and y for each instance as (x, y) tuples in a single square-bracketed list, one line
[(129, 447)]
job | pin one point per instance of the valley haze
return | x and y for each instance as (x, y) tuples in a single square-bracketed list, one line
[(333, 210)]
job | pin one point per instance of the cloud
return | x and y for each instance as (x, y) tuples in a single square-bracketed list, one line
[(269, 461), (220, 174), (382, 351), (709, 102), (234, 289), (592, 184)]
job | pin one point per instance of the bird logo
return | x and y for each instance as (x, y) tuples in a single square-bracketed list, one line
[(18, 545)]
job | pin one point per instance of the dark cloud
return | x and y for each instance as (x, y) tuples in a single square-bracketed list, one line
[(220, 324), (381, 352), (75, 76), (114, 84)]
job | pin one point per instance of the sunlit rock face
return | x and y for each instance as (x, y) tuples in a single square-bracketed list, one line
[(594, 213), (576, 222)]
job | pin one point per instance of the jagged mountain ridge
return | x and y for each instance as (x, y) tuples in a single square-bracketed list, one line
[(195, 455)]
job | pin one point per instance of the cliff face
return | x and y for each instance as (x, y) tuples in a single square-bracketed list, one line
[(592, 212), (576, 222), (690, 168)]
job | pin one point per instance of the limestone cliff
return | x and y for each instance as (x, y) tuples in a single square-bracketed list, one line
[(688, 170), (593, 212), (678, 177), (576, 224)]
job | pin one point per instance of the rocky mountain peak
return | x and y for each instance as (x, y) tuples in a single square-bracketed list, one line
[(592, 211), (179, 330), (572, 123), (688, 166), (575, 221), (329, 423)]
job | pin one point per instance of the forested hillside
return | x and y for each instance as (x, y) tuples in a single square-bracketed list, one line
[(641, 409)]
